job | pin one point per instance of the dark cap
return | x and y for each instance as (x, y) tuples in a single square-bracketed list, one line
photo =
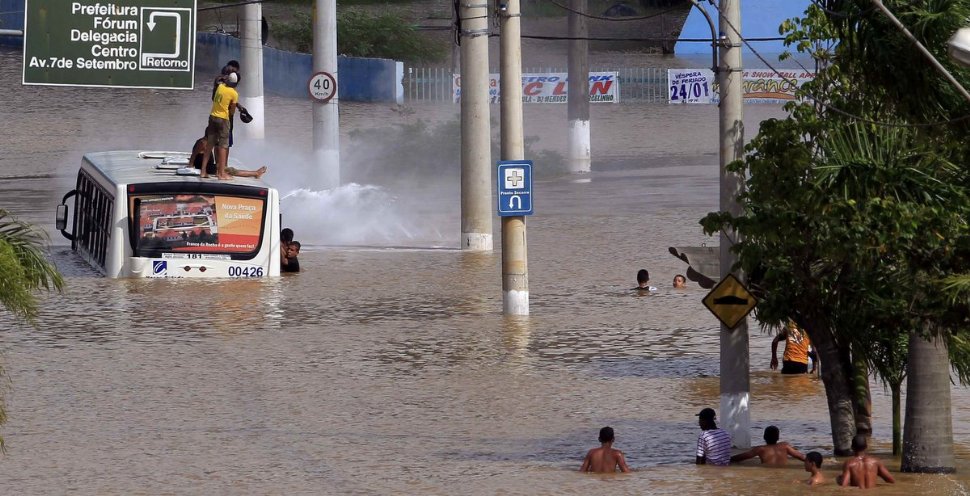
[(707, 414), (245, 116)]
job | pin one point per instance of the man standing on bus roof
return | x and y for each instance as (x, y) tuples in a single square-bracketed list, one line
[(217, 132), (231, 67)]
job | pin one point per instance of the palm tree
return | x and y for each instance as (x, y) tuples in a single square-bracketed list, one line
[(928, 437), (24, 268)]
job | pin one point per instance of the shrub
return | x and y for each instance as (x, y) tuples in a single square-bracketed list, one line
[(359, 34)]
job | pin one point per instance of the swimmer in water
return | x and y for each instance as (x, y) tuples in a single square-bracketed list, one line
[(680, 282), (813, 465), (605, 459), (773, 453), (643, 281)]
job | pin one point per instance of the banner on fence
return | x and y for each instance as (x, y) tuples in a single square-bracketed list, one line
[(759, 85), (604, 87)]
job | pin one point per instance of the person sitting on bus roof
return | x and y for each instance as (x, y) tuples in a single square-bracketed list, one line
[(198, 154), (291, 263)]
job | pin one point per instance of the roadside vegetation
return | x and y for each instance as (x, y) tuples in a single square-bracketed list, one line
[(855, 219), (24, 270), (417, 31), (360, 34)]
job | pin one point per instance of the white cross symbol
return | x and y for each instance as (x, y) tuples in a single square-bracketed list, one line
[(513, 177)]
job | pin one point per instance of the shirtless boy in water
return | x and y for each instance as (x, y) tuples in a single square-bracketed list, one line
[(772, 454), (813, 465), (604, 459), (861, 470)]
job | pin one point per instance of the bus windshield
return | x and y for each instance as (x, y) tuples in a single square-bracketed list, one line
[(196, 223)]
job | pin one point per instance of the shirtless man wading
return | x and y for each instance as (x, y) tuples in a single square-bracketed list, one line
[(604, 459), (772, 454), (862, 469)]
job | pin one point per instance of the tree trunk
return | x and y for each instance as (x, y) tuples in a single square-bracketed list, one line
[(837, 378), (862, 396), (928, 434), (897, 418)]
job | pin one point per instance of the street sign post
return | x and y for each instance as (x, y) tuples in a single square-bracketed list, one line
[(124, 43), (730, 301), (322, 86), (514, 188)]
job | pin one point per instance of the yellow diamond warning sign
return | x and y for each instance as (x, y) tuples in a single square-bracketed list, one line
[(730, 301)]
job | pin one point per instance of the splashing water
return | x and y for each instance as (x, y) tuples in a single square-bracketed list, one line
[(355, 214)]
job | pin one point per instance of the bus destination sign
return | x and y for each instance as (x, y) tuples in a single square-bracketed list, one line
[(114, 43)]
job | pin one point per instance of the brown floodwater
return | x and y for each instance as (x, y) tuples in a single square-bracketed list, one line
[(387, 367)]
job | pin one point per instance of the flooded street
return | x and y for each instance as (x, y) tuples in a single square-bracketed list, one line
[(386, 366)]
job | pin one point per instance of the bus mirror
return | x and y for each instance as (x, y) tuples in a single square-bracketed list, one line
[(61, 217)]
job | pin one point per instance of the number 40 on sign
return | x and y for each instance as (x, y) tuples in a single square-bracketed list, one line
[(322, 86)]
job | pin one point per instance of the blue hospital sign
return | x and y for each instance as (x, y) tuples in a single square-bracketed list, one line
[(514, 188)]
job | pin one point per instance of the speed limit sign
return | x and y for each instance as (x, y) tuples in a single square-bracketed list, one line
[(322, 86)]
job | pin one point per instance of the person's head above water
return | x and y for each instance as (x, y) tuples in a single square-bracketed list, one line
[(680, 281), (815, 458), (859, 443), (606, 435), (286, 235), (707, 418), (771, 434), (643, 276), (292, 249)]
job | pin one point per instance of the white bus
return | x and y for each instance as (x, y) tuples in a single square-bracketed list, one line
[(143, 214)]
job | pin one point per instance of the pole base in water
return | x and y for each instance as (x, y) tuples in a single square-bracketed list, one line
[(515, 302), (476, 241), (579, 149), (735, 418)]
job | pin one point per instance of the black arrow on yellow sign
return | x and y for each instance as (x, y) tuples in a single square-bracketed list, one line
[(730, 301)]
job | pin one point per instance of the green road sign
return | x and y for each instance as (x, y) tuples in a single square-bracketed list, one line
[(114, 43)]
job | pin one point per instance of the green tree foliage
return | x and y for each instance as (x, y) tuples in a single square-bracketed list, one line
[(24, 269), (855, 211), (360, 34)]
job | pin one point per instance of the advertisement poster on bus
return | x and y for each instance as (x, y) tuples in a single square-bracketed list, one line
[(759, 85), (198, 223), (604, 87)]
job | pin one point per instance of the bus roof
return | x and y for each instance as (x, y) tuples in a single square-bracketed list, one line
[(135, 166)]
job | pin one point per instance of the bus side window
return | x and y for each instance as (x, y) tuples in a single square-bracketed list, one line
[(94, 218)]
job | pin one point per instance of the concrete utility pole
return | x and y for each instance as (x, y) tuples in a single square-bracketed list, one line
[(735, 360), (515, 268), (251, 62), (476, 138), (578, 92), (455, 45), (326, 123)]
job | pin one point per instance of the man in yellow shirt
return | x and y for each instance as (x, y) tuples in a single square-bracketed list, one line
[(797, 348), (217, 132)]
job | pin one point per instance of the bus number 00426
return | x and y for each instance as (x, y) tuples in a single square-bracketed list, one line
[(235, 271)]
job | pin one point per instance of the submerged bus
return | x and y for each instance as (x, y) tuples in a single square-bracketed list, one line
[(144, 214)]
